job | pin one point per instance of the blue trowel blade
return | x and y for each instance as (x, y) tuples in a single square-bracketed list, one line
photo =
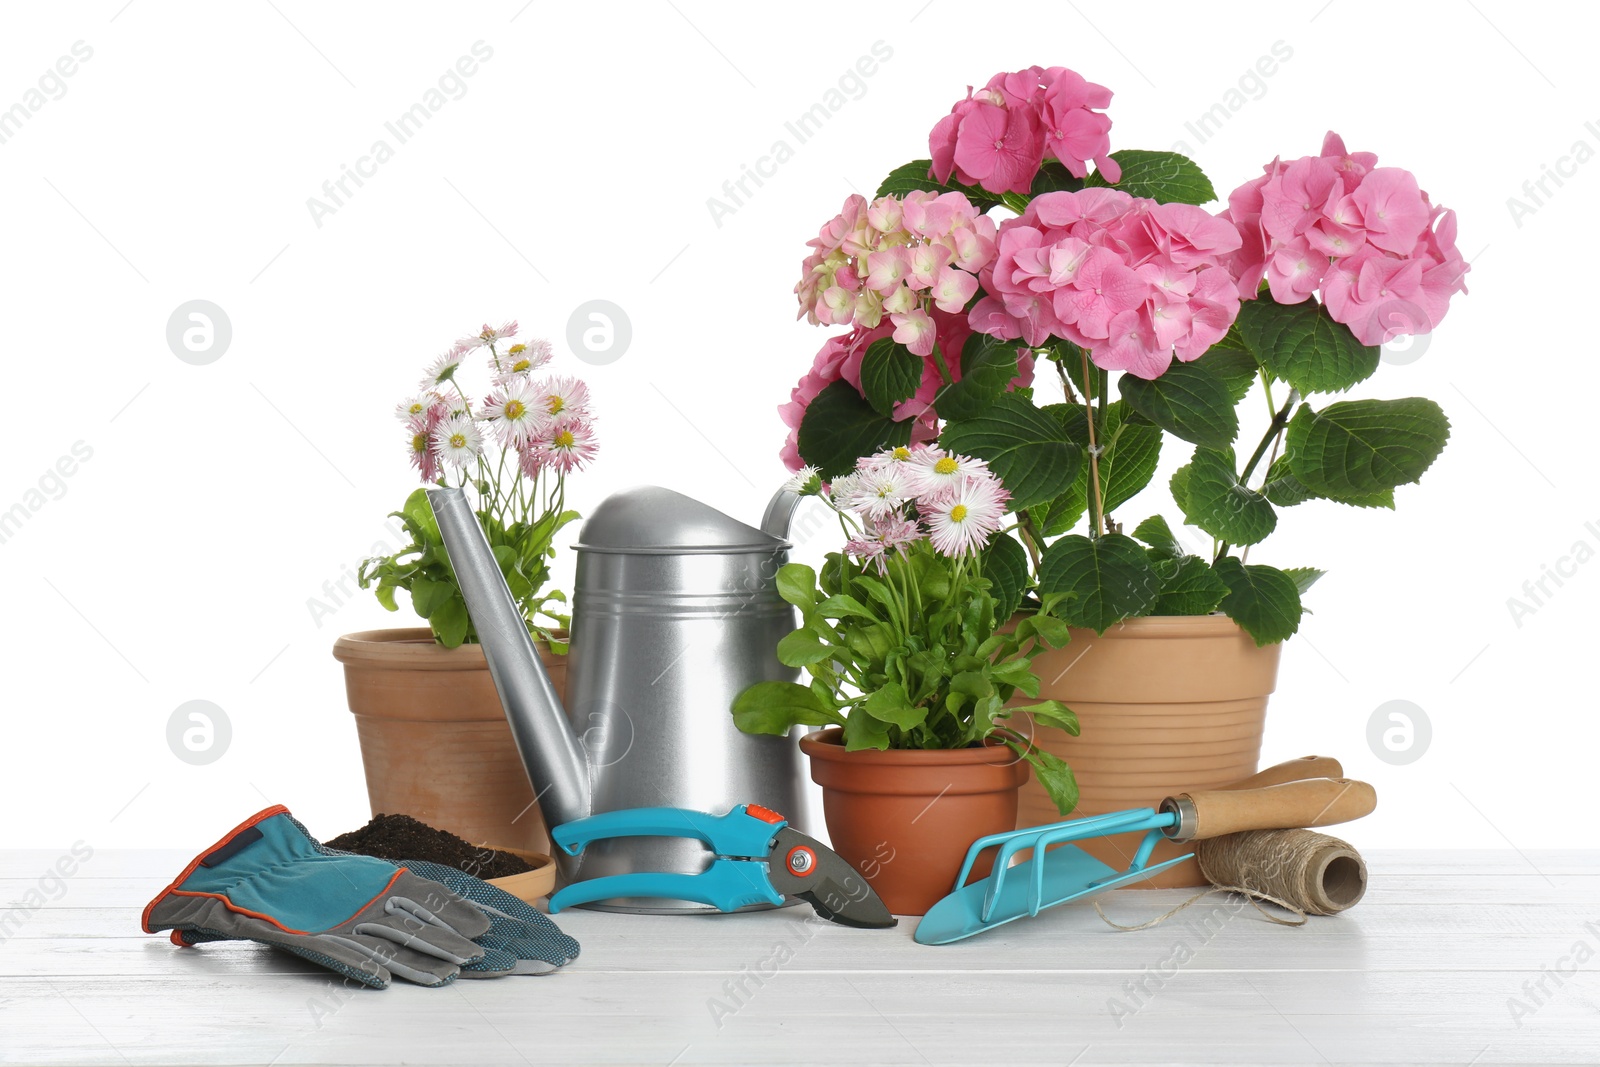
[(1069, 873)]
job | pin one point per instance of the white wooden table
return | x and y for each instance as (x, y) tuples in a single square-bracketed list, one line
[(1430, 968)]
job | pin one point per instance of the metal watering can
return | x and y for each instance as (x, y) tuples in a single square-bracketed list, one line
[(675, 611)]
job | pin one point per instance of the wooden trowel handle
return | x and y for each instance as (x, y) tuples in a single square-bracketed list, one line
[(1294, 770), (1291, 805)]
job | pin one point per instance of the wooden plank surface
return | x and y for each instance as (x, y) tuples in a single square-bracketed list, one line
[(1442, 963)]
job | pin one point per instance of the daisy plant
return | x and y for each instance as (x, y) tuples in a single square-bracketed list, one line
[(900, 634), (511, 452)]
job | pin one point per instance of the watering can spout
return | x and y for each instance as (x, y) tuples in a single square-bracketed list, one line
[(551, 754)]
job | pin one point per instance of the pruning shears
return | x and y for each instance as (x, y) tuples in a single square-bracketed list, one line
[(759, 860)]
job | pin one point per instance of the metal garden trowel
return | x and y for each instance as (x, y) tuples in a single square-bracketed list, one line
[(1287, 796)]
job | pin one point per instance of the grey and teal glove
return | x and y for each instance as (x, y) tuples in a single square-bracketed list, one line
[(268, 880), (521, 939)]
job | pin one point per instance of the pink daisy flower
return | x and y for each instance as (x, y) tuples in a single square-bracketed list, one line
[(964, 515), (804, 482), (443, 368), (566, 445), (896, 531), (422, 455), (933, 470), (521, 359), (842, 490), (867, 550), (900, 458), (488, 335), (415, 407), (879, 493), (563, 398), (530, 461), (458, 442), (514, 409), (451, 405)]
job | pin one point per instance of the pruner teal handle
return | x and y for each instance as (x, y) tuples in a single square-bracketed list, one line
[(726, 885), (741, 832)]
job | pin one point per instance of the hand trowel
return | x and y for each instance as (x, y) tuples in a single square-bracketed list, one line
[(1288, 795)]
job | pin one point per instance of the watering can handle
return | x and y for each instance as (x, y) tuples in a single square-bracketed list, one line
[(779, 514), (1210, 813)]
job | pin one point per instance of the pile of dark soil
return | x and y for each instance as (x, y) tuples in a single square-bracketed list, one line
[(400, 837)]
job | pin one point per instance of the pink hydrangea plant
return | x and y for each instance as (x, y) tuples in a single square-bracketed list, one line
[(1366, 238), (999, 136), (1133, 281)]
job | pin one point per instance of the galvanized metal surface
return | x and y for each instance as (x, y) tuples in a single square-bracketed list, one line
[(675, 611)]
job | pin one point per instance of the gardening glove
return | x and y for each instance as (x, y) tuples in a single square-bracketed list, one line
[(521, 939), (269, 881)]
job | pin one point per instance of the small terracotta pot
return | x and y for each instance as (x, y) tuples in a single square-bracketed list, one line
[(905, 817), (530, 886), (434, 738), (1166, 704)]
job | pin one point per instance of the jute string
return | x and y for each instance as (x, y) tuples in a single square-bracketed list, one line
[(1279, 867)]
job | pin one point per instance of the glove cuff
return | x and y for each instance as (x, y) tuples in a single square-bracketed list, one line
[(221, 843)]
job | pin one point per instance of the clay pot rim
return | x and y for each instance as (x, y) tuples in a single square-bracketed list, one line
[(529, 886), (411, 647), (828, 744), (1166, 626)]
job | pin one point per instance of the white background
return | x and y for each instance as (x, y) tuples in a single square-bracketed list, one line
[(180, 559)]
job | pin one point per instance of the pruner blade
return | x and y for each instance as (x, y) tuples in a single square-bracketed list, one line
[(803, 867)]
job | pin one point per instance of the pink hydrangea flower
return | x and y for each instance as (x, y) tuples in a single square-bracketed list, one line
[(1391, 209), (1000, 148), (1360, 286), (1133, 281), (916, 331), (894, 250), (1074, 129), (998, 138), (859, 270), (1365, 239), (1352, 166)]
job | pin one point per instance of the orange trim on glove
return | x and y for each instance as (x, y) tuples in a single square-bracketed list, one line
[(260, 816), (173, 890), (231, 906)]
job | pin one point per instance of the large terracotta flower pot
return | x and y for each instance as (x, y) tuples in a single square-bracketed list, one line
[(904, 818), (1166, 704), (434, 738)]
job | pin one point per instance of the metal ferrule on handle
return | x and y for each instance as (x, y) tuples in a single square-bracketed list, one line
[(550, 753), (1203, 814)]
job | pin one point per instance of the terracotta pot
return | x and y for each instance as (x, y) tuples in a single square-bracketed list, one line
[(1166, 703), (530, 887), (434, 738), (905, 817)]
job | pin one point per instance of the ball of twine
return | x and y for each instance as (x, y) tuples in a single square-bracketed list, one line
[(1300, 871)]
